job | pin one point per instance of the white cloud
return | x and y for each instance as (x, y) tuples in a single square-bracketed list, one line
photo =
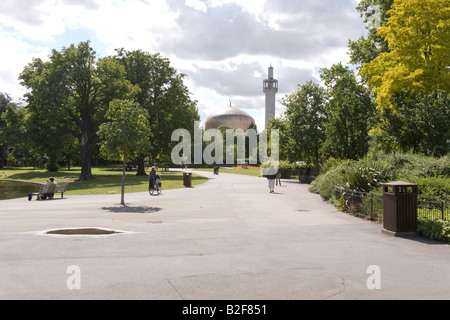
[(224, 46), (14, 61)]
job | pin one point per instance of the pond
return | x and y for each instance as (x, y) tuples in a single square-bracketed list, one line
[(16, 189)]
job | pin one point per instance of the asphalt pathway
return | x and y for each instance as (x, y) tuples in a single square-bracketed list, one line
[(226, 239)]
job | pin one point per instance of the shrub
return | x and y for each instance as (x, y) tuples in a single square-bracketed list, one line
[(366, 174), (434, 229), (325, 183), (433, 188), (331, 163)]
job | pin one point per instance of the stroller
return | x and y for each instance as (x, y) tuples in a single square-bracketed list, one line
[(216, 170)]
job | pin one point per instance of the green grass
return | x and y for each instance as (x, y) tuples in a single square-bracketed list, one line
[(248, 172), (107, 180)]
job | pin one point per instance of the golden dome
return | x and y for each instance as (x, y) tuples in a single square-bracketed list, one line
[(232, 117)]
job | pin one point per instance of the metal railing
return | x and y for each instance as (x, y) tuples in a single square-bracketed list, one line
[(433, 210), (370, 205), (363, 204)]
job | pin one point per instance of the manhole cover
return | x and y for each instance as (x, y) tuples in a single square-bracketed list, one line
[(83, 231)]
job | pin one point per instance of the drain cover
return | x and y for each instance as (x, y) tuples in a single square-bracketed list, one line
[(83, 231)]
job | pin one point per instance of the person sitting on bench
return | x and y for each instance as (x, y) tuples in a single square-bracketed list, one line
[(51, 180)]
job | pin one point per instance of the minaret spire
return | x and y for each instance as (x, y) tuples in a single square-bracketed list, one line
[(270, 89)]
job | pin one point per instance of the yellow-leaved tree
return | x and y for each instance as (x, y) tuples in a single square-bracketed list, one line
[(418, 36)]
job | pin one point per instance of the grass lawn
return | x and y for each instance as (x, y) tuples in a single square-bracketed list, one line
[(108, 180), (256, 172)]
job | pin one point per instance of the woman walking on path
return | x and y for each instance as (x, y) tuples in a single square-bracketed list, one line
[(271, 179)]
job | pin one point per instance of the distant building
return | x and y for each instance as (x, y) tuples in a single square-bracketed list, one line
[(270, 89), (232, 117)]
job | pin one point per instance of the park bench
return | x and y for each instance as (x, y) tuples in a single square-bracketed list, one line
[(50, 188)]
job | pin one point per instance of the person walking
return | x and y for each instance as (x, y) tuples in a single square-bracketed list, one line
[(278, 179), (271, 176)]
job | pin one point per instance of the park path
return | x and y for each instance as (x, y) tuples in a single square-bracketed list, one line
[(225, 239)]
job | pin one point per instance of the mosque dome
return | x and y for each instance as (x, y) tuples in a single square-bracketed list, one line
[(232, 117)]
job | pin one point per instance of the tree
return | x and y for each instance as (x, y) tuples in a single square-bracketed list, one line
[(286, 142), (125, 134), (417, 33), (305, 113), (165, 97), (419, 123), (375, 13), (5, 100), (70, 93), (349, 110)]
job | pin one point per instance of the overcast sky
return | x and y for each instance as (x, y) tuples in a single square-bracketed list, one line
[(224, 46)]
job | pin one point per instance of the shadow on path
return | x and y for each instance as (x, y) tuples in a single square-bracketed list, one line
[(131, 209)]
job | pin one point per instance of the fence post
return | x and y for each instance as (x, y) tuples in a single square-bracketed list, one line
[(371, 205)]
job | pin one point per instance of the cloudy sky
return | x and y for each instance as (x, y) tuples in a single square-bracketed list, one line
[(224, 46)]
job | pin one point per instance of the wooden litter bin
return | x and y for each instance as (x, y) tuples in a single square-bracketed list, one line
[(400, 208)]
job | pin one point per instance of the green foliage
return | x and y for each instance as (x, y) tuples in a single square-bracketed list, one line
[(69, 95), (367, 174), (434, 229), (126, 131), (349, 110), (52, 166), (305, 112), (375, 13), (329, 164), (325, 183), (419, 123), (433, 188), (419, 46), (125, 134), (163, 94)]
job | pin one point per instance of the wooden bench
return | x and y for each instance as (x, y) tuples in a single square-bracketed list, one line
[(50, 188)]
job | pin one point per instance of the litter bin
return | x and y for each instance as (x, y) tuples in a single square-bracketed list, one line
[(400, 208), (187, 179)]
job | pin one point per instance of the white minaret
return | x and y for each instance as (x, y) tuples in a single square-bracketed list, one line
[(270, 89)]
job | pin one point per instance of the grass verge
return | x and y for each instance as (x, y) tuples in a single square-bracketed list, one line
[(107, 179)]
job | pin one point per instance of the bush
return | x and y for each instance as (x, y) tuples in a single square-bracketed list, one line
[(325, 183), (434, 229), (52, 167), (367, 174), (433, 188)]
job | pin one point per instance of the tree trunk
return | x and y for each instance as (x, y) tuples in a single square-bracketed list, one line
[(141, 166), (122, 198), (2, 156), (86, 173)]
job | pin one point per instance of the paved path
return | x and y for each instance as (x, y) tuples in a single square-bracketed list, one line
[(226, 239)]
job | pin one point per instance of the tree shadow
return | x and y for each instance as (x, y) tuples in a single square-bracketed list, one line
[(131, 209)]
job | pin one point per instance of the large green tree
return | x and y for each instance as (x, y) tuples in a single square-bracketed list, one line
[(418, 37), (70, 93), (165, 97), (367, 48), (349, 110), (306, 115), (420, 123), (124, 134), (5, 100)]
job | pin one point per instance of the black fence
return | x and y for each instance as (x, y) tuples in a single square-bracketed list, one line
[(370, 206), (363, 204), (433, 210)]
